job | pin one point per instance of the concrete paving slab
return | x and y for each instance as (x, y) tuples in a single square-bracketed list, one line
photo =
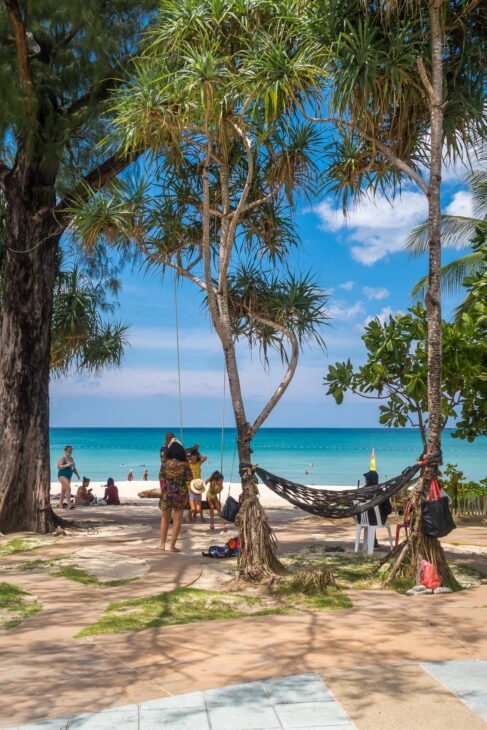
[(128, 720), (311, 714), (236, 694), (466, 679), (174, 719), (60, 723), (284, 690), (191, 700), (243, 717)]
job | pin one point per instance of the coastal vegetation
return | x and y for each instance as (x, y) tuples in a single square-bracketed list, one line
[(57, 67), (237, 112), (406, 91), (396, 373), (212, 99)]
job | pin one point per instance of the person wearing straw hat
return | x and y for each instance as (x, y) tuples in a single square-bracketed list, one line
[(196, 491)]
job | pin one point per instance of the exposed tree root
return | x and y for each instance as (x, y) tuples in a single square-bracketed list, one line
[(405, 559), (258, 559)]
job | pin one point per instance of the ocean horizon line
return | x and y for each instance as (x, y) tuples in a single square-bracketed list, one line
[(233, 428)]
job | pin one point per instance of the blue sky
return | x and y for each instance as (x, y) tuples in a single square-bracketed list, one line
[(360, 261)]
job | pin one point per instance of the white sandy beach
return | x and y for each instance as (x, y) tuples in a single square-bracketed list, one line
[(129, 491)]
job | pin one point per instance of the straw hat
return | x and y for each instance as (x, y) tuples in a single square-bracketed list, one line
[(197, 485)]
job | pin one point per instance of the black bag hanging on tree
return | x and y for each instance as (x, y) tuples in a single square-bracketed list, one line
[(230, 509), (437, 518)]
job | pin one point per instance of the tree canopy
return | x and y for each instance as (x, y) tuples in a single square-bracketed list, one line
[(395, 372)]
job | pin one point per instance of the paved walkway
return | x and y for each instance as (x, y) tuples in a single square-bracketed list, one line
[(368, 656), (285, 703), (435, 695)]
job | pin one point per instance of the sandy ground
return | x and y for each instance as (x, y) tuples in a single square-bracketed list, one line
[(130, 490)]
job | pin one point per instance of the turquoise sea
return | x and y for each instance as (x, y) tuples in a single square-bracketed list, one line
[(329, 455)]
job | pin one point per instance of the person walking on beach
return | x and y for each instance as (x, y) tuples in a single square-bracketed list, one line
[(174, 476), (145, 475), (130, 476), (66, 469), (214, 490)]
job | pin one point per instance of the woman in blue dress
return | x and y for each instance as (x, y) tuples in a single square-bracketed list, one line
[(66, 469)]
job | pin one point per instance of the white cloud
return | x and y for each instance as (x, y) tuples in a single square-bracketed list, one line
[(376, 227), (343, 312), (382, 316), (347, 285), (461, 204), (376, 292)]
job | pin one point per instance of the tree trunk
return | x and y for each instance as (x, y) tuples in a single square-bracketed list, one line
[(258, 545), (25, 336), (420, 546)]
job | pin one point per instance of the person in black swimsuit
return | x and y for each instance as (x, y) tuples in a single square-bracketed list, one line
[(66, 469)]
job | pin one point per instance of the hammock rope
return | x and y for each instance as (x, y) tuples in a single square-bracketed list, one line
[(340, 503)]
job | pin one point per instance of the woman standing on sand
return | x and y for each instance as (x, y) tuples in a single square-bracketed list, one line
[(174, 476), (66, 469)]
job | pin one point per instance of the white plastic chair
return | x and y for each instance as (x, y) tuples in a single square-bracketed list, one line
[(369, 531)]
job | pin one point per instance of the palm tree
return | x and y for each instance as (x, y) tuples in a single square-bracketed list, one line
[(456, 232), (211, 99), (405, 80)]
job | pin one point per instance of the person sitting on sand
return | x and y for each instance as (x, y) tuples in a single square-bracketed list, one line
[(196, 490), (111, 493), (84, 496), (215, 487), (174, 476)]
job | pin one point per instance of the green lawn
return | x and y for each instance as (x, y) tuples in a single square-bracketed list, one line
[(14, 607), (189, 605)]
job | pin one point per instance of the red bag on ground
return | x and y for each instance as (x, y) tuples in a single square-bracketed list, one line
[(429, 576)]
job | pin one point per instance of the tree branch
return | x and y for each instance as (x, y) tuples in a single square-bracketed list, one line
[(386, 151), (179, 269), (288, 376), (426, 82), (94, 180), (21, 44)]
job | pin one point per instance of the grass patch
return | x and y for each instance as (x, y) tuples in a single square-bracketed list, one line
[(18, 545), (71, 572), (350, 570), (77, 574), (313, 589), (182, 606), (14, 607)]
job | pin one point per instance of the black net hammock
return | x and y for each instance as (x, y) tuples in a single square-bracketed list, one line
[(339, 503)]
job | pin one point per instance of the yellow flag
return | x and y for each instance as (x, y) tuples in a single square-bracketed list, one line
[(372, 461)]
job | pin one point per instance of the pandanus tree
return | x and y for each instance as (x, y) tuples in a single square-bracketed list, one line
[(457, 231), (210, 99), (57, 64), (405, 87)]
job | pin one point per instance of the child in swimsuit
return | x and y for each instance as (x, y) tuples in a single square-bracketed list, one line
[(215, 487)]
